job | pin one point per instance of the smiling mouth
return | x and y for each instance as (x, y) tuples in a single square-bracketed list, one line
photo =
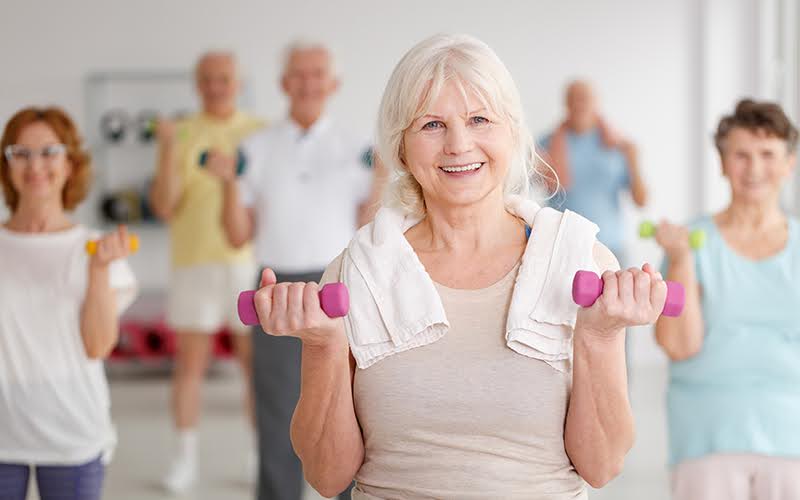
[(462, 168)]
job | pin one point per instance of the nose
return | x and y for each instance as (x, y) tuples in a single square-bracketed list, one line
[(457, 140)]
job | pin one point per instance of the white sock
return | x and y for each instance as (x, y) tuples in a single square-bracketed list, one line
[(186, 443)]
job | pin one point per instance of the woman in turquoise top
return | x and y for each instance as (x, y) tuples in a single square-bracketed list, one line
[(734, 390)]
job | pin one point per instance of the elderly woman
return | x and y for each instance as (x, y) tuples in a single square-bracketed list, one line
[(733, 403), (58, 315), (461, 370)]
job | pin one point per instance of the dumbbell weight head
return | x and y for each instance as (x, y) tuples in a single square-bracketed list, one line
[(241, 161)]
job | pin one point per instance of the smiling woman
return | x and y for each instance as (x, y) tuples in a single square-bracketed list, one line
[(457, 373)]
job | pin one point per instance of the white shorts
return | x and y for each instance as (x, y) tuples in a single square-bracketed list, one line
[(202, 298)]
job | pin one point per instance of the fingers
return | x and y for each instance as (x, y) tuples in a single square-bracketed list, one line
[(268, 277), (626, 286), (294, 308)]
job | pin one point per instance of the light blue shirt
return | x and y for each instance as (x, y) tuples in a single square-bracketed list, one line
[(598, 175), (741, 392)]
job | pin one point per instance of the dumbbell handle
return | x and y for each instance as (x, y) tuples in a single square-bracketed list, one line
[(588, 286), (133, 244), (697, 238), (333, 298)]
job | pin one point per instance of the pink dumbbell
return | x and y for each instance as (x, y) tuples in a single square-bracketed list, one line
[(333, 298), (588, 286)]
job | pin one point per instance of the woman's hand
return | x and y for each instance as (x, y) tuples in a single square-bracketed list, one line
[(631, 297), (112, 246), (294, 310), (674, 239)]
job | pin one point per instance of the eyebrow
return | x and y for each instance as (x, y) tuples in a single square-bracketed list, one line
[(437, 117)]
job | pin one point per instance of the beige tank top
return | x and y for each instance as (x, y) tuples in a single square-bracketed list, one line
[(465, 417)]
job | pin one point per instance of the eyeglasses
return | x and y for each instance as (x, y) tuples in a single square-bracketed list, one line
[(18, 155)]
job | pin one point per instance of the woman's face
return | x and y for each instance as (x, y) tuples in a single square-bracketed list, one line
[(38, 166), (459, 152), (756, 165)]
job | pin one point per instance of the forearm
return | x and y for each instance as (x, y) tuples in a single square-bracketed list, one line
[(99, 323), (600, 428), (638, 187), (682, 337), (325, 432), (236, 218), (166, 190)]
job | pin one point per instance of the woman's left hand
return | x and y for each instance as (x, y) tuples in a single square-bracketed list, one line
[(630, 297), (112, 246)]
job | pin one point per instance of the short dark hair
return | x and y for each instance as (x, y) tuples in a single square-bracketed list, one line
[(766, 117)]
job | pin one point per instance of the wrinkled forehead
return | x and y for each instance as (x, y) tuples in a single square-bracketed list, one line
[(740, 137), (311, 57), (215, 63)]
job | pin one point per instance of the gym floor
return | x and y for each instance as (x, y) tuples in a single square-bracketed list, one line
[(140, 404)]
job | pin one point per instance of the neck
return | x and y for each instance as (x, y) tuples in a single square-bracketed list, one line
[(477, 228), (305, 119), (754, 216), (220, 114), (39, 218), (581, 126)]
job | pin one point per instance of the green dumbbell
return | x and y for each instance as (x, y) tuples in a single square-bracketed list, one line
[(241, 161), (697, 238)]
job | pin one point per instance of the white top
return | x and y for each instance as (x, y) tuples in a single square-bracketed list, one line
[(54, 402), (305, 187), (406, 312)]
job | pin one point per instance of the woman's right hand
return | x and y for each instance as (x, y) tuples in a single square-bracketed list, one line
[(294, 310), (674, 239)]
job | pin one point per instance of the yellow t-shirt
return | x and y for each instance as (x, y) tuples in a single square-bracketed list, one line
[(196, 228)]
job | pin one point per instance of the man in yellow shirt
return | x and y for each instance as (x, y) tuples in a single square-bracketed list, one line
[(207, 272)]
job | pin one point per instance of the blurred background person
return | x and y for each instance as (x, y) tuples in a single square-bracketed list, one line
[(59, 310), (206, 272), (733, 403), (308, 186)]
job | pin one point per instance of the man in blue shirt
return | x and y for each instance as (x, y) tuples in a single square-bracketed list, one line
[(594, 165)]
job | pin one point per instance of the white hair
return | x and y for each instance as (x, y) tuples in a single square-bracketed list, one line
[(415, 84), (304, 45)]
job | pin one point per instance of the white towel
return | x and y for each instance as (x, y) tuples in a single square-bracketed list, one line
[(398, 307)]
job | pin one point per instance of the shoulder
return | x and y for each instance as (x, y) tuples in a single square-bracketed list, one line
[(333, 271), (604, 258), (261, 137)]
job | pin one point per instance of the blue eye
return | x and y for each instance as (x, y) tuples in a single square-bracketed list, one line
[(479, 120), (432, 125)]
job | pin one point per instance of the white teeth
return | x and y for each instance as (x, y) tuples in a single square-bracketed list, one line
[(465, 168)]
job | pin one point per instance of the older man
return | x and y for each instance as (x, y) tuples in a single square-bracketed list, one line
[(594, 165), (308, 185), (207, 271)]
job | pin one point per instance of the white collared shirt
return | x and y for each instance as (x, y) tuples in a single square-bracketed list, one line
[(305, 187)]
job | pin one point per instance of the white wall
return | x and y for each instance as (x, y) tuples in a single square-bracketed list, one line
[(642, 56)]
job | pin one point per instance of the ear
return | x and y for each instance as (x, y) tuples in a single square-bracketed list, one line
[(285, 84)]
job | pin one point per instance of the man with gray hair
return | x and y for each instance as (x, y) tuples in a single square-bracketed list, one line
[(206, 270), (308, 185)]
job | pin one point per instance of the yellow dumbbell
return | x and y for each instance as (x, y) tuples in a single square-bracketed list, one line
[(697, 238), (133, 245)]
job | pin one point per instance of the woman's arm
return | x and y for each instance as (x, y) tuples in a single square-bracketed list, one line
[(638, 187), (681, 337), (99, 322), (600, 427), (324, 431)]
